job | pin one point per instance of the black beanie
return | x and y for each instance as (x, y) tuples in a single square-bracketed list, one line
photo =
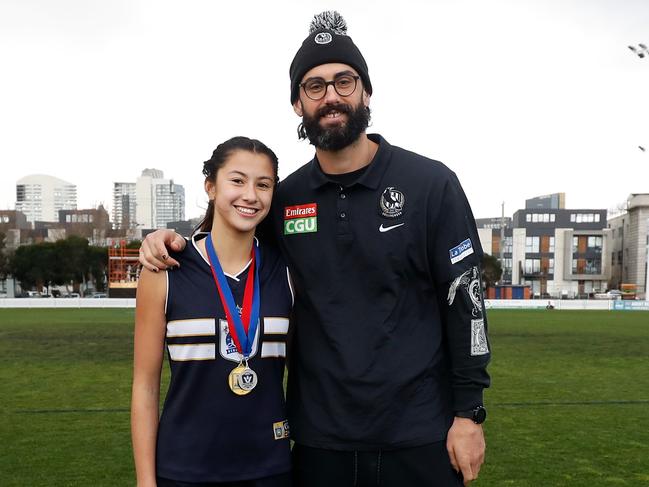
[(327, 42)]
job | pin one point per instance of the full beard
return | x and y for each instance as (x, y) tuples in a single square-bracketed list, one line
[(335, 138)]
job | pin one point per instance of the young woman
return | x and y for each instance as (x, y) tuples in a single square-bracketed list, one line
[(223, 316)]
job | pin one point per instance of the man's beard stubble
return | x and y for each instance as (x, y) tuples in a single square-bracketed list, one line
[(335, 138)]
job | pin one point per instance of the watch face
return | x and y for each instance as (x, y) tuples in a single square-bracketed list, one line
[(479, 415)]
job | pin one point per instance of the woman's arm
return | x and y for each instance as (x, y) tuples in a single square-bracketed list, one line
[(150, 324)]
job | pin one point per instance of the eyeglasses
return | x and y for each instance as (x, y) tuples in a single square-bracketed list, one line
[(316, 88)]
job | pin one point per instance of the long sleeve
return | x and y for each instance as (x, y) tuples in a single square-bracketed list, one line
[(455, 255)]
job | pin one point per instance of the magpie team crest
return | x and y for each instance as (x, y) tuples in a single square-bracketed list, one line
[(392, 202), (323, 38)]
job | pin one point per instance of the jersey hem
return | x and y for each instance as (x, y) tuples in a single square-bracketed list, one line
[(178, 476)]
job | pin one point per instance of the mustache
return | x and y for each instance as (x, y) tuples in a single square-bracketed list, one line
[(338, 107)]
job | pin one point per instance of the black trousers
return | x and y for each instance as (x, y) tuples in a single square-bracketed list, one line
[(424, 466), (282, 480)]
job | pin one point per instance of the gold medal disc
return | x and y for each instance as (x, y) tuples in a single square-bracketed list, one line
[(242, 380)]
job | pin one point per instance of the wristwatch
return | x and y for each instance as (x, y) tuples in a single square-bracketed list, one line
[(477, 414)]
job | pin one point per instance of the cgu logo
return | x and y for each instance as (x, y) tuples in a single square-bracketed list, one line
[(300, 225)]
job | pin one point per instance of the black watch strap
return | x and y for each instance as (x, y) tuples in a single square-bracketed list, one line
[(477, 414)]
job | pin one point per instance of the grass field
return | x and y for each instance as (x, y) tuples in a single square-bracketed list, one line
[(568, 405)]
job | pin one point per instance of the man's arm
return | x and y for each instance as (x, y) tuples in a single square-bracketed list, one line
[(153, 251), (466, 448), (465, 328), (455, 255)]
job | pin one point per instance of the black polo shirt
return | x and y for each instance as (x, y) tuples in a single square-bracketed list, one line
[(380, 358)]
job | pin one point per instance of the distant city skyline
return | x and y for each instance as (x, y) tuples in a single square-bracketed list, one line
[(518, 98)]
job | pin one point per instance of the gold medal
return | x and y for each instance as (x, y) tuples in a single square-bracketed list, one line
[(242, 379)]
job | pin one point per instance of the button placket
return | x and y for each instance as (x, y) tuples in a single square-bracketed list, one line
[(342, 208)]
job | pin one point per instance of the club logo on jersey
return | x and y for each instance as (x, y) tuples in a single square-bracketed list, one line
[(461, 251), (301, 219), (479, 344), (323, 38), (227, 348), (280, 430), (392, 202)]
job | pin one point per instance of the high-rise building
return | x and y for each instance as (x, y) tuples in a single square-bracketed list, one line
[(40, 197), (124, 205), (150, 202)]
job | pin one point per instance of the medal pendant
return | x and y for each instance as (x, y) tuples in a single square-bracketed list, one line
[(242, 380)]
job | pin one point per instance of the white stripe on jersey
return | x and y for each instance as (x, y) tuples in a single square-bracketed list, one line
[(196, 327), (273, 349), (275, 326), (199, 351)]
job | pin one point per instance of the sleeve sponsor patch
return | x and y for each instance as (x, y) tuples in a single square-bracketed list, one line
[(461, 251)]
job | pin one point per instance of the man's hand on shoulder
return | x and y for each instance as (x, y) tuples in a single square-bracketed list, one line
[(153, 251), (466, 448)]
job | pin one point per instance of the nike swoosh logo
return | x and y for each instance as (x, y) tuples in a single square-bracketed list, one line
[(383, 229)]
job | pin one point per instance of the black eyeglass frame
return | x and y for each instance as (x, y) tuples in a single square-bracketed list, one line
[(332, 83)]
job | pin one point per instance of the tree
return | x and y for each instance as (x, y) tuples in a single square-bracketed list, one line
[(134, 244), (4, 258), (66, 261), (492, 270), (97, 262), (72, 260), (34, 265)]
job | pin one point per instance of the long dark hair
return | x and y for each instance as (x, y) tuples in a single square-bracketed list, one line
[(219, 158)]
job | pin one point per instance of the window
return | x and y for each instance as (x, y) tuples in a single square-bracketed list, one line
[(551, 245), (595, 243), (575, 244), (532, 266), (528, 217), (553, 217), (531, 244), (507, 242), (550, 266), (593, 266)]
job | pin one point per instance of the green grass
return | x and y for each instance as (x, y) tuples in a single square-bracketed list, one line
[(567, 406)]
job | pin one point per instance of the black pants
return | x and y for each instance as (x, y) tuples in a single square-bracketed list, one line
[(282, 480), (424, 466)]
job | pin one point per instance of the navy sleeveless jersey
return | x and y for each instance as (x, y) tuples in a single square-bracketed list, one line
[(206, 432)]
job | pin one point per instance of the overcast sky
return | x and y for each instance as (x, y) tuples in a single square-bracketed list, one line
[(520, 98)]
